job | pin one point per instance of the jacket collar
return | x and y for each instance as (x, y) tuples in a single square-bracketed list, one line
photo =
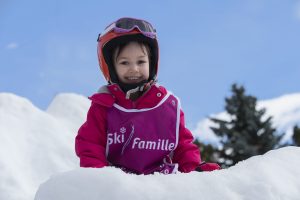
[(109, 94), (150, 98)]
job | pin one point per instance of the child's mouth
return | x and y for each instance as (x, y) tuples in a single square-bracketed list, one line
[(133, 79)]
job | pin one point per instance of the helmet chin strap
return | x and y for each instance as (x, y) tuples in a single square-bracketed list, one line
[(134, 90), (132, 86)]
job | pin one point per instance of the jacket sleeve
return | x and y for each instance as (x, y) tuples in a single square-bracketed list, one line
[(90, 142), (187, 154)]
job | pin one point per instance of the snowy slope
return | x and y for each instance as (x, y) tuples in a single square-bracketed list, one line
[(36, 144), (285, 111), (275, 175)]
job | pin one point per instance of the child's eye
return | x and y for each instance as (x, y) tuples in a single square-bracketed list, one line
[(124, 63), (141, 62)]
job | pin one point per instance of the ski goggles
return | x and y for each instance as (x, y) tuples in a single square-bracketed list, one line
[(125, 25)]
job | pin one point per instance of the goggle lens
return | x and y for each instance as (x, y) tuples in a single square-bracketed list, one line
[(130, 23)]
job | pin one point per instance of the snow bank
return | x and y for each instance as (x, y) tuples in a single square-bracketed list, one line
[(275, 175), (35, 143)]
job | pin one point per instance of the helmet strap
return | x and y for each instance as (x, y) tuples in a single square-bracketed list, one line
[(136, 92)]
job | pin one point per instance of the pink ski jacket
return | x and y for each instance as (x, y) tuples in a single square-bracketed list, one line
[(91, 141)]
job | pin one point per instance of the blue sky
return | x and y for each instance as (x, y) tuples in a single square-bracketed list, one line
[(49, 47)]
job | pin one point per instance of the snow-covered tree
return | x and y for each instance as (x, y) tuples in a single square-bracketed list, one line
[(247, 132)]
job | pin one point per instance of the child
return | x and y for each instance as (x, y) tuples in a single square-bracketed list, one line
[(133, 123)]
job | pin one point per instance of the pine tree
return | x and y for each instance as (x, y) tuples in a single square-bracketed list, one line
[(246, 133), (296, 136)]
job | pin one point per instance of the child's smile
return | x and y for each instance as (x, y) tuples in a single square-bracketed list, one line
[(134, 79)]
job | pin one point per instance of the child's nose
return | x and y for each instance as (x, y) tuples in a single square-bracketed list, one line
[(134, 67)]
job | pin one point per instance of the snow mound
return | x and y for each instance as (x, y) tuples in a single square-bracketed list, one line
[(275, 175), (70, 108), (35, 143)]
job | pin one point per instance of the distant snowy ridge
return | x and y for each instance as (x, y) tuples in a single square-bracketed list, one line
[(285, 111), (275, 175)]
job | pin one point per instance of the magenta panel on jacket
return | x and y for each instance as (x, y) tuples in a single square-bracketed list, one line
[(141, 140)]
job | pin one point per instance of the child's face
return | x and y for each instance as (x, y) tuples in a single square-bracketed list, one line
[(132, 64)]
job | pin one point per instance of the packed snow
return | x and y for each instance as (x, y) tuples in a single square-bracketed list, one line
[(36, 144), (275, 175)]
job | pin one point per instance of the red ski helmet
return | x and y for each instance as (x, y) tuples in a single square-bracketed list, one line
[(121, 31)]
